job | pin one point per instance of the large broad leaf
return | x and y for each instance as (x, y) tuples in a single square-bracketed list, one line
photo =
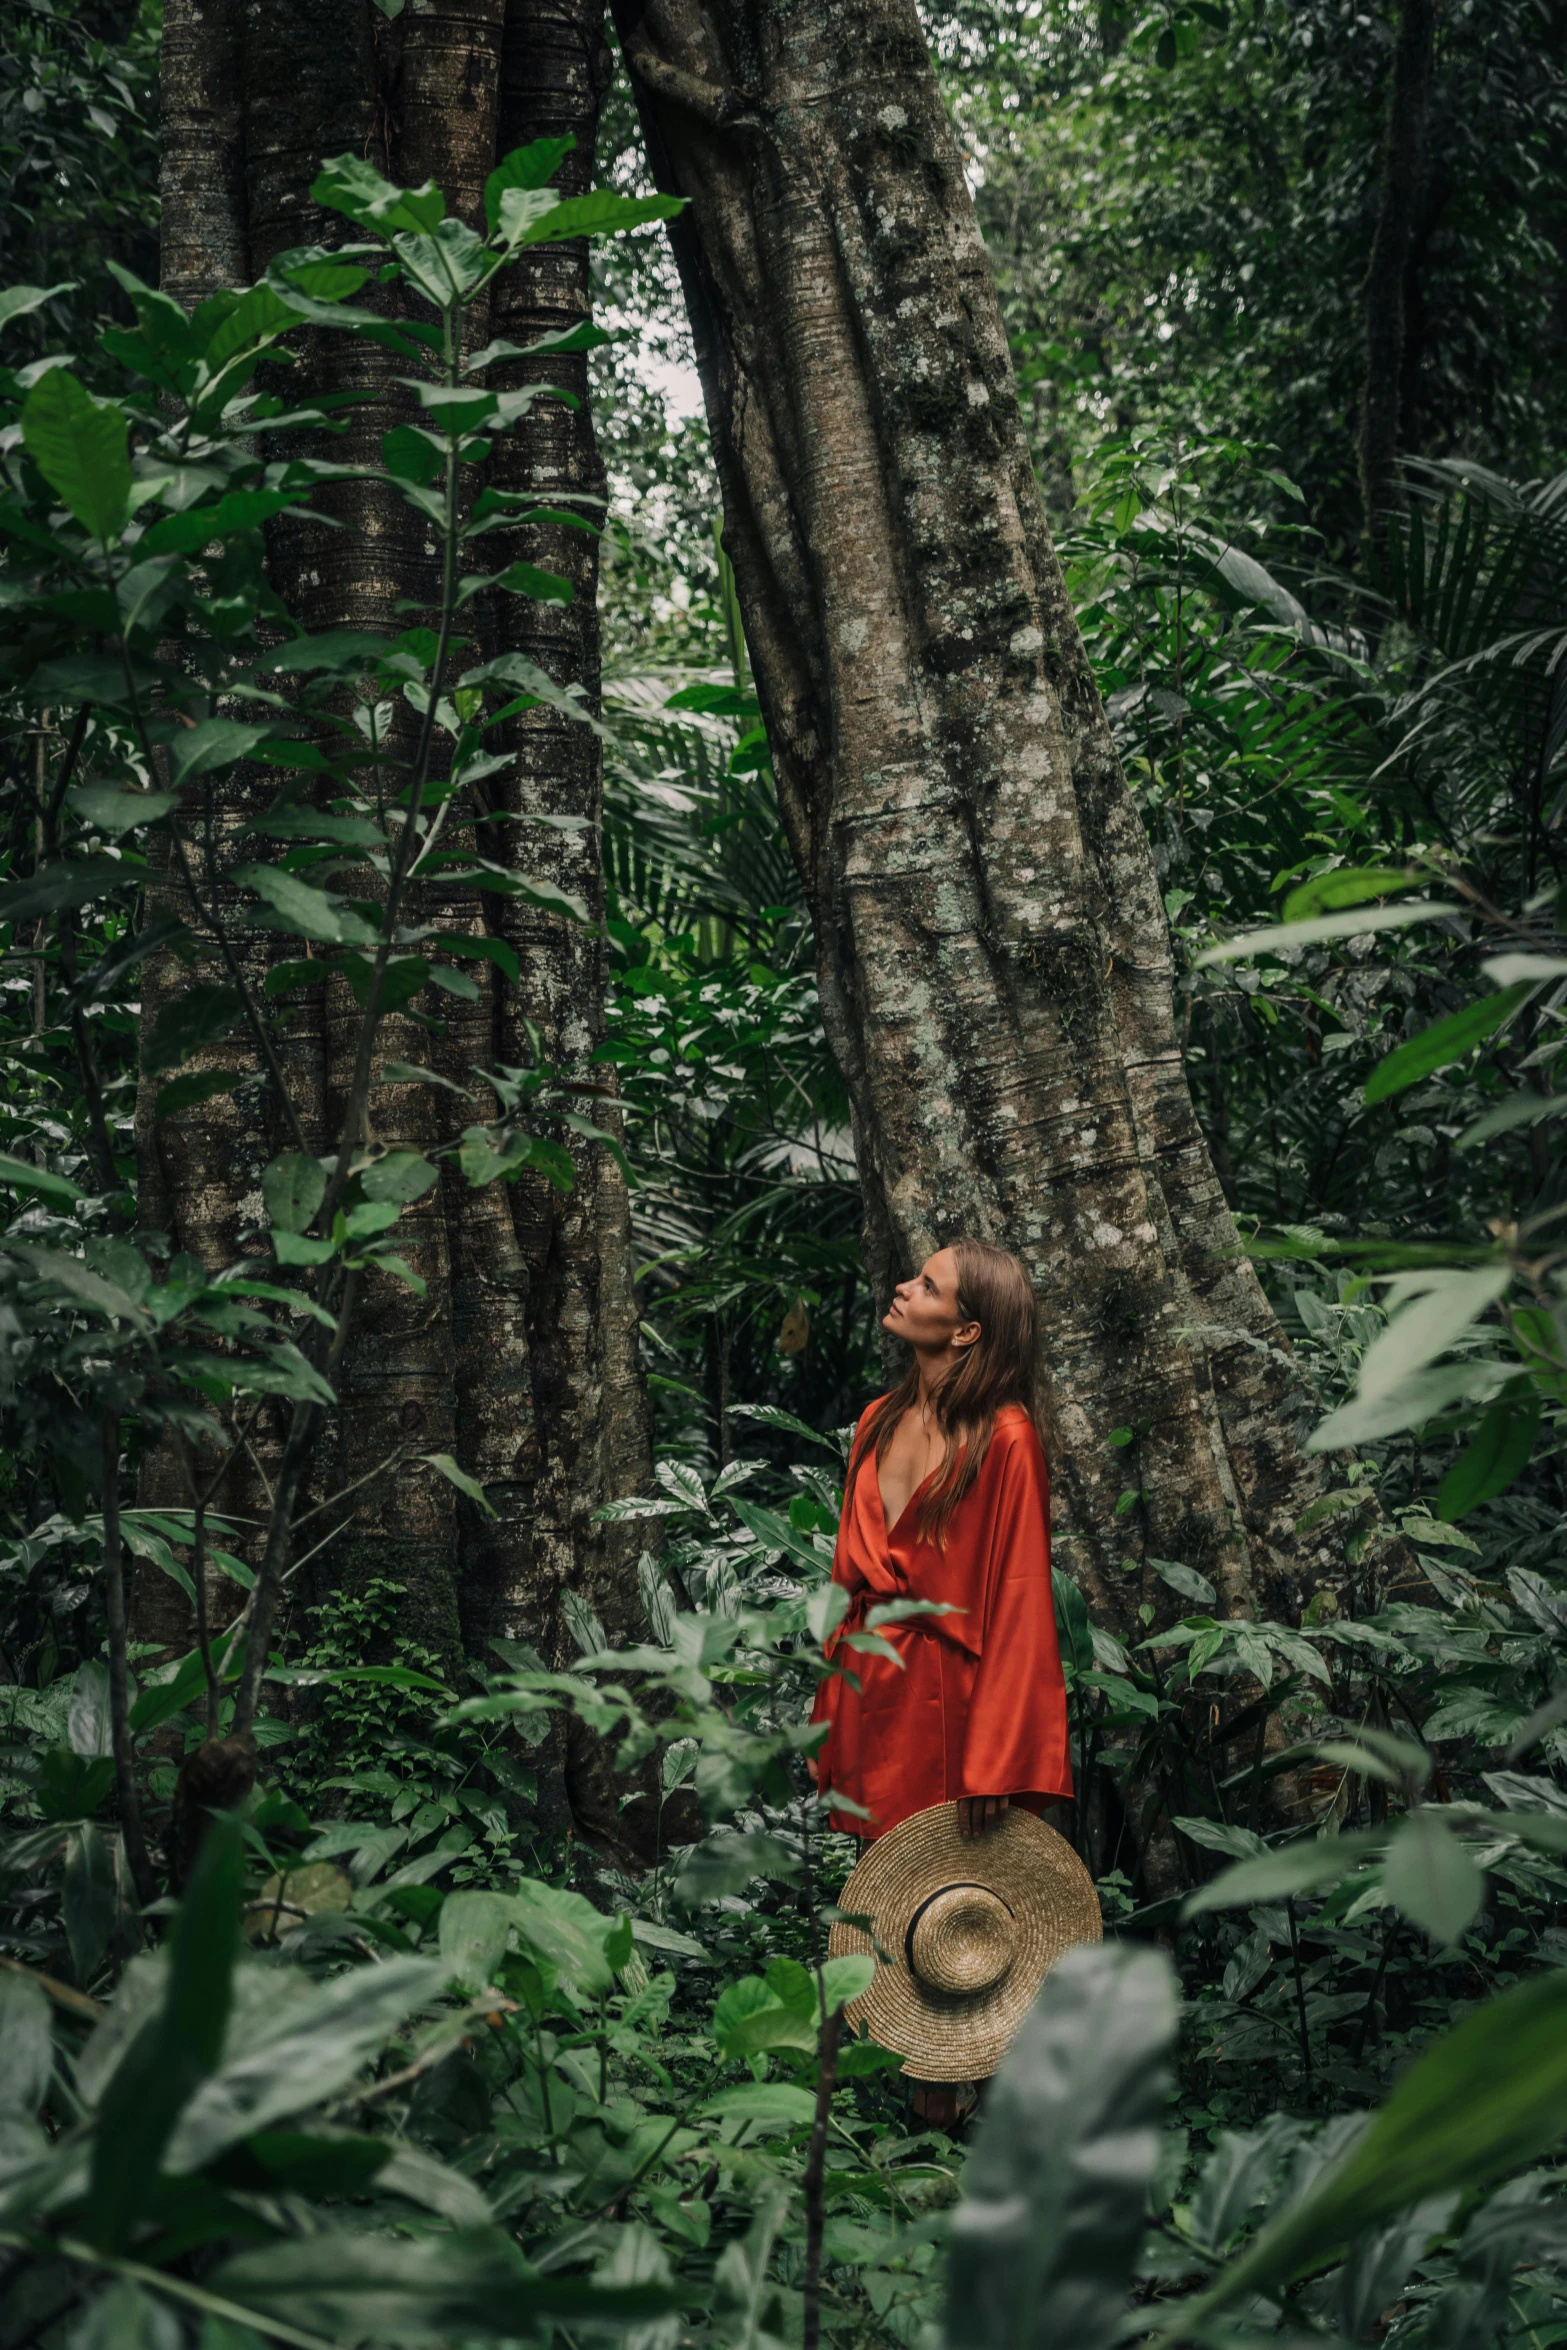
[(17, 301), (474, 1929), (307, 912), (1444, 1042), (1300, 1868), (1053, 2197), (1488, 2098), (533, 166), (29, 2047), (599, 213), (23, 1177), (566, 1929), (72, 881), (308, 2048), (214, 743), (293, 1187), (1499, 1450), (176, 2049), (88, 1902), (81, 447), (1324, 927), (358, 2287), (1429, 1877), (201, 1016), (1448, 1305)]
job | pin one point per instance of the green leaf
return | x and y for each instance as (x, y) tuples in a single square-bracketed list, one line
[(72, 881), (599, 213), (127, 2317), (749, 2019), (472, 2283), (521, 209), (566, 1929), (725, 1863), (525, 167), (546, 587), (1519, 1109), (1321, 929), (18, 301), (1499, 1451), (214, 743), (302, 2164), (110, 810), (299, 2050), (774, 2105), (448, 1468), (203, 1015), (28, 2042), (1445, 1041), (1052, 2213), (403, 1176), (197, 1086), (256, 319), (22, 1176), (474, 1930), (1185, 1580), (1442, 1311), (71, 1786), (81, 447), (307, 912), (188, 532), (89, 1899), (1326, 892), (1304, 1867), (1490, 2097), (88, 1730), (77, 1280), (348, 184), (176, 2049), (293, 1187), (1428, 1876)]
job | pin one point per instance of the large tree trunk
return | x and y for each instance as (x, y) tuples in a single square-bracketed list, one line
[(995, 964), (1401, 194), (521, 1358)]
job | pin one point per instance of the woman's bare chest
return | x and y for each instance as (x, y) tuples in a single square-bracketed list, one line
[(907, 1462)]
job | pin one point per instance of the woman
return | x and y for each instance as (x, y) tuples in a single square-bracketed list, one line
[(947, 1500)]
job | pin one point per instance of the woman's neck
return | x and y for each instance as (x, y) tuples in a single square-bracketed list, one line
[(933, 1371)]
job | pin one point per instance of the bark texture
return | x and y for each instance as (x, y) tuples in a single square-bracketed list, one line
[(995, 963), (521, 1358), (1401, 199)]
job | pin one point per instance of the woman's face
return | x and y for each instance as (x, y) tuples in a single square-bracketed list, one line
[(925, 1310)]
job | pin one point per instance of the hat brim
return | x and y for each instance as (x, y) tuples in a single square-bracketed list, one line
[(943, 2036)]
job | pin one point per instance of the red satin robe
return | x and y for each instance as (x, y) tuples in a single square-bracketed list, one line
[(978, 1706)]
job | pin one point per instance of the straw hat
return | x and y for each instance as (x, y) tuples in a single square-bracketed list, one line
[(969, 1927)]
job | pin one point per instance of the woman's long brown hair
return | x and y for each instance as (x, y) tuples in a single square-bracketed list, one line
[(998, 1369)]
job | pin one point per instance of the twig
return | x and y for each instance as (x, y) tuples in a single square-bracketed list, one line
[(74, 2002), (815, 2176), (391, 1461), (119, 1671), (1300, 1988)]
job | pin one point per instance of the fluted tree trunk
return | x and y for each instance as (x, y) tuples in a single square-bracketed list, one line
[(995, 965), (520, 1358)]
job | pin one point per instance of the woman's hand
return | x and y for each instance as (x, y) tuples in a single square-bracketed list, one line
[(976, 1813)]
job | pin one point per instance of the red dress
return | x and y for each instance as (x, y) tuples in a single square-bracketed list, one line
[(978, 1704)]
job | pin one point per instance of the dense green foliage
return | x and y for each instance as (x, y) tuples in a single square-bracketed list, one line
[(398, 2065)]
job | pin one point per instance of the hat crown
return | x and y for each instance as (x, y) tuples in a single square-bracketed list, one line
[(962, 1939)]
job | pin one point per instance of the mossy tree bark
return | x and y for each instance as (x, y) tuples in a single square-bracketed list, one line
[(995, 965), (521, 1357)]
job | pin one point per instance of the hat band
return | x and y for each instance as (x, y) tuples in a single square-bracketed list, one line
[(972, 1973)]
